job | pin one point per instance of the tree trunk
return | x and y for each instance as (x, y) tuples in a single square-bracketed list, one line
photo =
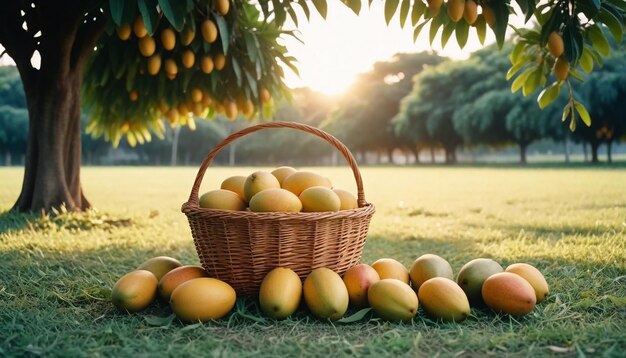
[(390, 155), (450, 152), (594, 152), (7, 158), (174, 157), (432, 154), (522, 152), (585, 154), (609, 156), (416, 154), (53, 154), (567, 145)]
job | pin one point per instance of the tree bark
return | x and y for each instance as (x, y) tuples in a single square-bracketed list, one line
[(594, 152), (522, 152), (53, 153)]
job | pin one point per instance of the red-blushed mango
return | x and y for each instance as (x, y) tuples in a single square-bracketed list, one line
[(160, 265), (390, 268), (470, 13), (275, 200), (282, 173), (202, 299), (393, 300), (280, 293), (473, 274), (222, 199), (358, 280), (134, 291), (325, 294), (302, 180), (443, 299), (319, 199), (176, 277), (257, 182), (348, 201), (506, 292), (428, 266), (533, 276), (235, 184)]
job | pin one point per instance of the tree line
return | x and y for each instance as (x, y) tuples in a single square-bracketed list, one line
[(412, 103)]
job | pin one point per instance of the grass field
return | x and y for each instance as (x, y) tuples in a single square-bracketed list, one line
[(55, 276)]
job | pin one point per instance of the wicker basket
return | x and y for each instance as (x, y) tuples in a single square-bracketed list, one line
[(241, 247)]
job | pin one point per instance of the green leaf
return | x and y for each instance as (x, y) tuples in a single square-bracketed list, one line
[(305, 8), (390, 9), (174, 11), (588, 7), (532, 82), (354, 5), (501, 12), (462, 31), (520, 80), (614, 25), (418, 29), (434, 28), (418, 10), (513, 70), (149, 13), (566, 111), (224, 34), (321, 6), (582, 112), (598, 40), (359, 315), (404, 11), (572, 42), (518, 49), (548, 95), (554, 22), (448, 29), (122, 11), (279, 12), (481, 28), (586, 61)]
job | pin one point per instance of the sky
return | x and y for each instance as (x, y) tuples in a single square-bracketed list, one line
[(335, 50)]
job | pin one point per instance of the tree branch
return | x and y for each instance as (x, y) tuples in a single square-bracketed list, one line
[(86, 38)]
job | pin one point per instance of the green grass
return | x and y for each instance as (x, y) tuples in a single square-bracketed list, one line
[(55, 276)]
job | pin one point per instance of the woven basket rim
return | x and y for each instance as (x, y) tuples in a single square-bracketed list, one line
[(192, 209)]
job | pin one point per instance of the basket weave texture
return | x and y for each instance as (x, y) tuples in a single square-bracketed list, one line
[(241, 247)]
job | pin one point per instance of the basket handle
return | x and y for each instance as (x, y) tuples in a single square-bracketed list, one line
[(193, 197)]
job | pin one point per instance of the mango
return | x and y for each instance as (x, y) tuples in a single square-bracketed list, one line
[(176, 277), (472, 276), (160, 265), (470, 13), (223, 200), (428, 266), (555, 44), (348, 201), (209, 31), (147, 46), (299, 181), (393, 300), (358, 280), (202, 299), (319, 199), (325, 294), (235, 184), (275, 200), (533, 276), (168, 39), (134, 291), (280, 293), (390, 268), (456, 9), (506, 292), (257, 182), (282, 173), (443, 299)]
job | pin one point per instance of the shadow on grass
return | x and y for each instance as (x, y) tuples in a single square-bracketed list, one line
[(13, 221)]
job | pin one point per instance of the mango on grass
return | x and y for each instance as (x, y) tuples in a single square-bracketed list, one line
[(222, 199), (202, 299), (160, 265), (428, 266), (390, 268), (393, 300), (134, 291), (473, 274), (443, 299), (176, 277), (533, 276), (280, 293), (358, 280), (506, 292), (325, 294)]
